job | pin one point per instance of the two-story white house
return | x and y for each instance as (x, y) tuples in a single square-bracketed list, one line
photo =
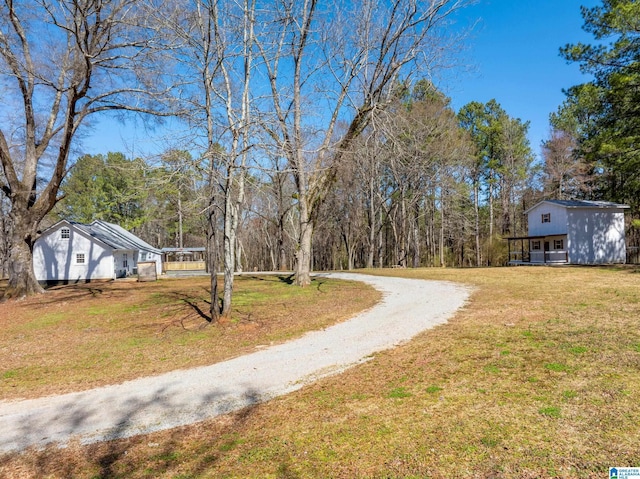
[(70, 252), (572, 232)]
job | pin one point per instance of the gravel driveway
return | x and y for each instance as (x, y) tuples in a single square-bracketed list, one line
[(188, 396)]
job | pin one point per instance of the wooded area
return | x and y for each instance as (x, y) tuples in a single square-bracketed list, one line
[(315, 140)]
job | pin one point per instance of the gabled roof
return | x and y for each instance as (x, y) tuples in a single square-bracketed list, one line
[(115, 236), (581, 204)]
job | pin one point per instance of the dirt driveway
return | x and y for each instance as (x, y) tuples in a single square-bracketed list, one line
[(184, 397)]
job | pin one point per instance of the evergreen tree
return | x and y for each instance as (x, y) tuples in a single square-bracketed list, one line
[(608, 136)]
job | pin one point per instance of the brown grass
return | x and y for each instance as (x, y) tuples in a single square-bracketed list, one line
[(87, 335), (538, 377)]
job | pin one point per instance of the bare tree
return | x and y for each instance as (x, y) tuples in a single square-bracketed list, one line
[(61, 61), (336, 61), (5, 236), (565, 174), (213, 42)]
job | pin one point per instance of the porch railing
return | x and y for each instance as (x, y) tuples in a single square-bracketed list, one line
[(183, 265)]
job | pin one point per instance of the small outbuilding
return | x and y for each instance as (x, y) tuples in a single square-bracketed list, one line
[(70, 252), (571, 232)]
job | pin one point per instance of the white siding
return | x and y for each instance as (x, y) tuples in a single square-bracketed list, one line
[(557, 225), (55, 258), (596, 236), (594, 232), (124, 262)]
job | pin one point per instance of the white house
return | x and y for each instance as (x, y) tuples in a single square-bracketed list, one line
[(71, 252), (573, 232)]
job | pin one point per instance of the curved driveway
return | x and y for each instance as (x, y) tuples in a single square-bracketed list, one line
[(188, 396)]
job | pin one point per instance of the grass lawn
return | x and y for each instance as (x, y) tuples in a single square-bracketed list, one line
[(537, 377), (87, 335)]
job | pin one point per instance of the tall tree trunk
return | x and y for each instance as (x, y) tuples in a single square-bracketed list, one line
[(282, 252), (491, 214), (476, 211), (403, 231), (416, 236), (229, 255), (505, 198), (442, 261), (372, 224), (231, 216), (180, 237), (303, 254), (5, 233), (380, 240), (348, 245), (22, 279), (212, 258)]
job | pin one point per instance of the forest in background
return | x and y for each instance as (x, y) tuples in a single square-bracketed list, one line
[(425, 186), (310, 145), (412, 192)]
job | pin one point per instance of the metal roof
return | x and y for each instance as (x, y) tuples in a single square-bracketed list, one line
[(115, 236), (582, 204), (186, 249)]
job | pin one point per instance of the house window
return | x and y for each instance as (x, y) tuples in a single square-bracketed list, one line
[(535, 245), (80, 259), (546, 217), (125, 260), (143, 256), (65, 233), (558, 244)]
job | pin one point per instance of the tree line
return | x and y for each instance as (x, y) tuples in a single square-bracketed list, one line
[(593, 150), (422, 186), (311, 142)]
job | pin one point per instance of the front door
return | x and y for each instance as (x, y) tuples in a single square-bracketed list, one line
[(547, 247)]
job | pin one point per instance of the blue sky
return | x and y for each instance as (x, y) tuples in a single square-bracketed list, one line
[(511, 55), (515, 51)]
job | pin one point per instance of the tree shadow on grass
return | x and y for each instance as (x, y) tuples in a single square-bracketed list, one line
[(77, 293), (288, 279), (282, 278), (193, 304)]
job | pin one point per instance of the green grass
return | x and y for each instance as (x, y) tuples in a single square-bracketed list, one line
[(44, 322), (557, 367), (550, 411), (524, 382), (398, 393)]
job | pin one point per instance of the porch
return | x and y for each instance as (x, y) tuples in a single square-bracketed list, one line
[(183, 259), (538, 250)]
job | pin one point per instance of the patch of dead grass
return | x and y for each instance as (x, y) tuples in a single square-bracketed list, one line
[(537, 377)]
